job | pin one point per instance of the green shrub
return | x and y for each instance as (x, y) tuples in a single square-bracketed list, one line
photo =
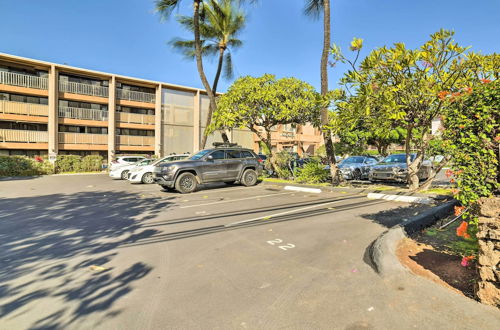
[(68, 163), (24, 166), (91, 163), (312, 172), (282, 161)]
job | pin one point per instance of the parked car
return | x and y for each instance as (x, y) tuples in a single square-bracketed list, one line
[(144, 174), (393, 168), (356, 167), (124, 160), (121, 172), (225, 163)]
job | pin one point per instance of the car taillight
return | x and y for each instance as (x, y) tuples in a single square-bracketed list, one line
[(259, 160)]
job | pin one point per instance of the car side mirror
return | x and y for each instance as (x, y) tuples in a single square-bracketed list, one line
[(210, 157)]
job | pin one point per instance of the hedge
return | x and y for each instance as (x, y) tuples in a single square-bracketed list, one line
[(24, 166)]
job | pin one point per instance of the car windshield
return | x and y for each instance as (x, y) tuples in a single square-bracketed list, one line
[(401, 158), (199, 154), (144, 162), (355, 159)]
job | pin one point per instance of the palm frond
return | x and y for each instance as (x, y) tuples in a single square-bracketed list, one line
[(166, 7), (313, 8)]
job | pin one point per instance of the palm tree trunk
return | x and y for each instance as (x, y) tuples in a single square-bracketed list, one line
[(210, 109), (327, 136), (199, 60)]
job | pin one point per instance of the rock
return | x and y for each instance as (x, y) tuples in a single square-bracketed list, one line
[(489, 293), (487, 274), (490, 207)]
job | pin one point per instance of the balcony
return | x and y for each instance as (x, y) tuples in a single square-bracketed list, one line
[(124, 94), (14, 135), (132, 140), (23, 80), (135, 118), (83, 138), (85, 89), (82, 113), (20, 108)]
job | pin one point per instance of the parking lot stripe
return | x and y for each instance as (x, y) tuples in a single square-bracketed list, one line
[(267, 217), (234, 200)]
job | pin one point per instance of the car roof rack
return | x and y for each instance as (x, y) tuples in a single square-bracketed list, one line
[(225, 145)]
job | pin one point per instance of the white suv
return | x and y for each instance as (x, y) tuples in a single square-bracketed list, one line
[(144, 174), (124, 160), (121, 172)]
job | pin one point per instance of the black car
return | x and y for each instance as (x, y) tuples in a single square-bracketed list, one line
[(225, 163), (357, 167)]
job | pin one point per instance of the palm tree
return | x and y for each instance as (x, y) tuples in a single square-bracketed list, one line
[(222, 22), (314, 9)]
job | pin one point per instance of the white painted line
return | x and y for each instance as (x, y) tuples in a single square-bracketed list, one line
[(303, 189), (233, 200), (400, 198), (267, 217)]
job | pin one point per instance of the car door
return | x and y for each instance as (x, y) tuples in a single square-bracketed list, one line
[(234, 163), (214, 169)]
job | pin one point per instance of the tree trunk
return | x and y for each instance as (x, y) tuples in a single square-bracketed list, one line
[(327, 134), (412, 166), (199, 59), (210, 108)]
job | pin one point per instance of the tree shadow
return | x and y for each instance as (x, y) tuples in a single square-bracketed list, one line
[(61, 246), (391, 217)]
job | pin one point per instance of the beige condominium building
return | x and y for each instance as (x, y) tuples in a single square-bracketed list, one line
[(49, 109)]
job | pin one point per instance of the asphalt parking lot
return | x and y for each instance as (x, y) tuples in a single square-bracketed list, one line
[(84, 251)]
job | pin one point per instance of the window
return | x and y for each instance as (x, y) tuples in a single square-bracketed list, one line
[(247, 154), (219, 154), (233, 154)]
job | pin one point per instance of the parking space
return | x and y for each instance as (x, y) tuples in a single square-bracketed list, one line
[(87, 250)]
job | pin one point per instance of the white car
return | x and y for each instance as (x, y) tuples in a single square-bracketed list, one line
[(144, 174), (124, 160), (121, 172)]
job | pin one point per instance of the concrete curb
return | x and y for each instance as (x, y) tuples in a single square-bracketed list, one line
[(382, 251), (400, 198), (303, 189)]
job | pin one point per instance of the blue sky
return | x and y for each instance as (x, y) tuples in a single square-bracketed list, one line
[(127, 37)]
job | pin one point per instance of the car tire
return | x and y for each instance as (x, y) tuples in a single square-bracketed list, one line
[(249, 178), (186, 183), (148, 178), (124, 175)]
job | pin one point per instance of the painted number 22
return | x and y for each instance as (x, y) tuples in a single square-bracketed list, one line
[(283, 247)]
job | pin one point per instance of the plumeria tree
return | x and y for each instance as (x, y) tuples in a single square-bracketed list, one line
[(261, 103)]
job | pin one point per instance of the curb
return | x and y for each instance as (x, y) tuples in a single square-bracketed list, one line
[(400, 198), (382, 251), (345, 190)]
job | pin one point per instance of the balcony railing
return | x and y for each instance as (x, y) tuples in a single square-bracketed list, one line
[(85, 89), (82, 113), (20, 108), (131, 140), (124, 94), (135, 118), (83, 138), (23, 80), (15, 135)]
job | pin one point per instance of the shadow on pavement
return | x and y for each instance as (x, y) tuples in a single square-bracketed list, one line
[(41, 237)]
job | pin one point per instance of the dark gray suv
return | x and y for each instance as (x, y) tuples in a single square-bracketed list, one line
[(229, 164)]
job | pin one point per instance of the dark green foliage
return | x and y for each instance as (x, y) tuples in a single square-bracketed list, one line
[(312, 172), (24, 166)]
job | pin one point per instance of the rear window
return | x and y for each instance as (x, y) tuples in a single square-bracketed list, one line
[(247, 154)]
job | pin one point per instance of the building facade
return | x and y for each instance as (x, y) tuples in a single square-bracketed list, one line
[(49, 109)]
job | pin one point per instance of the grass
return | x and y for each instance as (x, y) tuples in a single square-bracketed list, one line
[(447, 240), (439, 191)]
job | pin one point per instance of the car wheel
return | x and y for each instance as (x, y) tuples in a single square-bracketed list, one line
[(125, 175), (249, 178), (186, 183), (356, 175), (148, 178)]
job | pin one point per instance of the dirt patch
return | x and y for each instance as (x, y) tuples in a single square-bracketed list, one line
[(437, 255)]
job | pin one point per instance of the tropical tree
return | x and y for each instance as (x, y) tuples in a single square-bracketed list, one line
[(315, 9), (261, 103), (165, 8), (223, 21)]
